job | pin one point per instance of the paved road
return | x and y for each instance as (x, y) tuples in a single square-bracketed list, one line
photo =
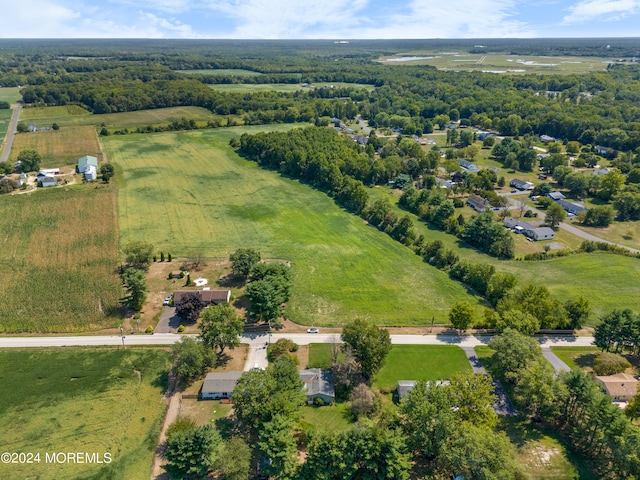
[(554, 360), (11, 132), (566, 226), (169, 321), (300, 338)]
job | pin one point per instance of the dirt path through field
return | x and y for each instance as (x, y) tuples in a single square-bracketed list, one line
[(173, 398)]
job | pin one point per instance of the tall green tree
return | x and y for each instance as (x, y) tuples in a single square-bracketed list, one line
[(234, 462), (514, 351), (267, 297), (191, 453), (220, 327), (278, 444), (461, 316), (368, 344), (190, 360), (138, 253), (29, 160), (242, 260), (107, 171), (135, 286), (474, 396), (555, 215)]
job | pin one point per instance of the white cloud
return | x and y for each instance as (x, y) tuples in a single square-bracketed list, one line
[(602, 10)]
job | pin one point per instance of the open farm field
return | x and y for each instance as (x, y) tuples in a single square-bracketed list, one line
[(38, 113), (94, 401), (421, 362), (5, 119), (235, 72), (9, 94), (140, 118), (59, 147), (189, 192), (499, 63), (257, 87), (58, 260)]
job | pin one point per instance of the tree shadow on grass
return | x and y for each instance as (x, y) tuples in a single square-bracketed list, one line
[(232, 281), (585, 360), (222, 359)]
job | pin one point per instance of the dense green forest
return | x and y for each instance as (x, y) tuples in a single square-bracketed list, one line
[(118, 76)]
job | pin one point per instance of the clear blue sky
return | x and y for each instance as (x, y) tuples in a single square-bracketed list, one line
[(331, 19)]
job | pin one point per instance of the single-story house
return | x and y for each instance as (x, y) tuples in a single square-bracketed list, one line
[(48, 181), (90, 173), (517, 226), (206, 296), (86, 161), (540, 233), (621, 386), (318, 383), (604, 151), (50, 171), (478, 203), (405, 386), (219, 385), (521, 184), (542, 156), (601, 171), (546, 139), (555, 196), (571, 207), (361, 139), (442, 183), (468, 166)]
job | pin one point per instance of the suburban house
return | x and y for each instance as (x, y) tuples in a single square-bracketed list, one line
[(521, 184), (555, 196), (442, 183), (571, 207), (405, 386), (468, 166), (621, 386), (517, 226), (540, 233), (206, 296), (318, 383), (604, 151), (85, 162), (219, 385), (478, 203)]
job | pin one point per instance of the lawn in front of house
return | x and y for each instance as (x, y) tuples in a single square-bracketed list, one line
[(420, 362)]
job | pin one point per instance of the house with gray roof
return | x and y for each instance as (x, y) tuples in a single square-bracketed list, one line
[(571, 207), (540, 233), (555, 196), (318, 383), (521, 184), (517, 225), (219, 385)]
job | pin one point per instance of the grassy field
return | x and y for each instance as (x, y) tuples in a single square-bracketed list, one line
[(257, 87), (59, 147), (63, 117), (39, 113), (189, 192), (328, 418), (500, 63), (9, 94), (58, 260), (93, 401), (577, 357), (5, 119), (320, 355), (421, 362), (235, 72)]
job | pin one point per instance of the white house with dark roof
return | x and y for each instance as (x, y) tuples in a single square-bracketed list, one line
[(318, 384), (478, 203), (218, 385), (521, 184)]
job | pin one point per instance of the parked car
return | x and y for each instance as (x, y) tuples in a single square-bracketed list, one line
[(313, 330), (167, 300)]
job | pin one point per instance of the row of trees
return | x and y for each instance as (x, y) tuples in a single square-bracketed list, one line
[(571, 402)]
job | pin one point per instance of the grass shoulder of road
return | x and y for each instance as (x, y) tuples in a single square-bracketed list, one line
[(189, 192), (5, 120), (78, 400), (59, 260), (583, 357)]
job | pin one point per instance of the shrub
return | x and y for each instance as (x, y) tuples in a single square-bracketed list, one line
[(281, 347), (318, 402), (609, 364), (136, 316), (181, 329), (149, 329)]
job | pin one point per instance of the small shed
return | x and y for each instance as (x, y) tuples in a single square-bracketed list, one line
[(90, 173), (49, 181)]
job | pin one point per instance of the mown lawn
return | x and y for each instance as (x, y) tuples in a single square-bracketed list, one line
[(329, 418), (321, 355), (577, 357), (59, 259), (189, 192), (82, 400), (9, 94), (420, 362)]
